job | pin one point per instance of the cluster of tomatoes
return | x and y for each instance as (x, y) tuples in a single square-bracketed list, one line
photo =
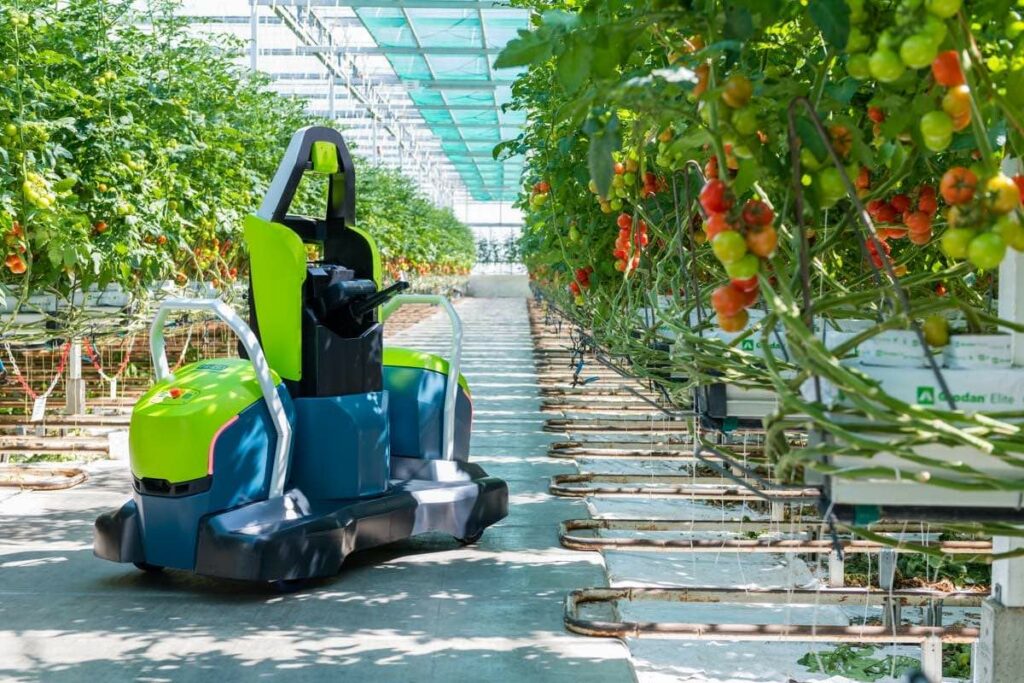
[(903, 215), (540, 194), (625, 179), (740, 237), (580, 282), (913, 43), (630, 243), (14, 240), (982, 216)]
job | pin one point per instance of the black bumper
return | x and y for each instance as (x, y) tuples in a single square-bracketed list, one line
[(294, 538)]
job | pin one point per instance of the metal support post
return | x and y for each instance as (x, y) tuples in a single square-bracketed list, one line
[(931, 659), (74, 400), (836, 570)]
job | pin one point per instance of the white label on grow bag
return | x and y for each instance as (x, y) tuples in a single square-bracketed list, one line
[(38, 409)]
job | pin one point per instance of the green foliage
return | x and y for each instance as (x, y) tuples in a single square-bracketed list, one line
[(131, 148), (858, 663)]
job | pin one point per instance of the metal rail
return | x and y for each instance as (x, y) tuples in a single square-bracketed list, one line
[(776, 632), (633, 426), (581, 485), (32, 478), (809, 546)]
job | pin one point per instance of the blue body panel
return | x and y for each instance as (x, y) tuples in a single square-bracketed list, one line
[(342, 446), (241, 474), (417, 413)]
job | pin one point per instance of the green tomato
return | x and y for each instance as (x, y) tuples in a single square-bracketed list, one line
[(885, 65), (936, 124), (10, 130), (830, 187), (10, 71), (616, 204), (808, 160), (858, 41), (943, 9), (918, 51), (955, 242), (936, 331), (935, 28), (1011, 231), (937, 143), (859, 67), (729, 246), (743, 268), (629, 179), (886, 41), (574, 234), (745, 121), (986, 250)]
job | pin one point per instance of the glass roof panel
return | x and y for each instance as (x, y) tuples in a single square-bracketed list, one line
[(446, 57)]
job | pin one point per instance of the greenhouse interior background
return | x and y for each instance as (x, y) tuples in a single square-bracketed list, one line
[(522, 340)]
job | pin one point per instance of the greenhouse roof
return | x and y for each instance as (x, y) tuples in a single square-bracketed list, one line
[(412, 82), (445, 52)]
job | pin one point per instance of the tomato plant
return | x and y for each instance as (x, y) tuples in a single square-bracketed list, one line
[(131, 148)]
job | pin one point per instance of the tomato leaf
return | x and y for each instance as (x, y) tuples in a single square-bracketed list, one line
[(808, 135), (843, 91), (603, 142), (574, 65), (530, 47), (746, 176), (739, 24), (833, 20)]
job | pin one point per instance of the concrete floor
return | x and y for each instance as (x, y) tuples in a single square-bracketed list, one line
[(425, 610)]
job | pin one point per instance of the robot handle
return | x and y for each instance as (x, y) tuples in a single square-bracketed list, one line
[(282, 450), (454, 362)]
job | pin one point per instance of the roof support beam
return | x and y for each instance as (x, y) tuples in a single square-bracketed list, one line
[(382, 79), (382, 51), (392, 4)]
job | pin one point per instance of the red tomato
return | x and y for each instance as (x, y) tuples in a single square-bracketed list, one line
[(876, 114), (958, 185), (842, 140), (757, 213), (747, 285), (921, 238), (762, 241), (715, 197), (863, 181), (917, 222), (946, 69), (882, 211), (624, 221), (619, 168), (727, 300), (901, 203), (711, 168)]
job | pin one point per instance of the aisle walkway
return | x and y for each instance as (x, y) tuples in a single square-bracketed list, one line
[(426, 610)]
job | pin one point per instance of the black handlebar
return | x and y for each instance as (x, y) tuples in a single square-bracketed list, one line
[(367, 304)]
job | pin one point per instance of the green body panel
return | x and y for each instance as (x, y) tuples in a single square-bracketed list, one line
[(169, 437), (325, 158), (398, 357), (277, 271), (377, 269)]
